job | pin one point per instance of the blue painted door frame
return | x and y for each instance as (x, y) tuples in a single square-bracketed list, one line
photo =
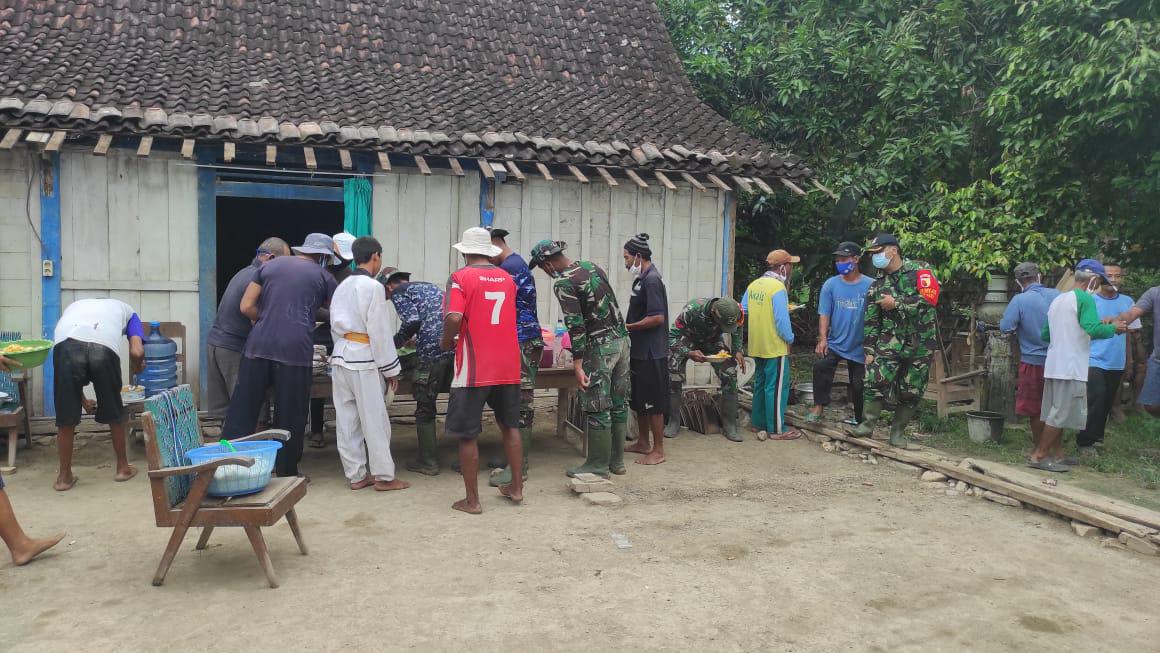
[(50, 251)]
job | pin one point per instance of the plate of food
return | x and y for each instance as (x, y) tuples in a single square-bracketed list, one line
[(29, 353), (132, 393), (719, 357)]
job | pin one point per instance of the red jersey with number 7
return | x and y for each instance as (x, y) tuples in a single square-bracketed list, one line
[(487, 352)]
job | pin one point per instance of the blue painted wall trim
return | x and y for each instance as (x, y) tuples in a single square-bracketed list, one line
[(486, 193), (206, 265), (726, 264), (278, 191), (50, 251)]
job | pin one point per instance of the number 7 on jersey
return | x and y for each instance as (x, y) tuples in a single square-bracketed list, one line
[(498, 297)]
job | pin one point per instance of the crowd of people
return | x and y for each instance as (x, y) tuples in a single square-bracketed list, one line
[(479, 339)]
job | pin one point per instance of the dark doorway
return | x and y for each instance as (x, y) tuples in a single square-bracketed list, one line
[(243, 223)]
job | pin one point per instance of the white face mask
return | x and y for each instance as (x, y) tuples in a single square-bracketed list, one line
[(1093, 286), (1023, 288), (778, 273), (635, 268)]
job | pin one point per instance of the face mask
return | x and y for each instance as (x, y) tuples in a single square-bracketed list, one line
[(845, 268), (635, 268), (880, 260), (1093, 286), (550, 270)]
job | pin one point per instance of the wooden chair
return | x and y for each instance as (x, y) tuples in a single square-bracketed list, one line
[(179, 490)]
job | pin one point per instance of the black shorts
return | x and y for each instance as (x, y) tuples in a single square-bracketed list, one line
[(465, 409), (77, 364), (650, 386)]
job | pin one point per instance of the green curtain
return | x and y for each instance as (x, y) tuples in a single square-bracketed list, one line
[(356, 203)]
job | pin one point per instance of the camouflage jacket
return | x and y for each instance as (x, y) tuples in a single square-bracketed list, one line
[(911, 329), (696, 326), (591, 313), (420, 308)]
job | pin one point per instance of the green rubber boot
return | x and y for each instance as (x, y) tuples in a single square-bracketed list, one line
[(673, 427), (729, 418), (870, 415), (504, 476), (616, 452), (428, 461), (599, 449), (902, 417)]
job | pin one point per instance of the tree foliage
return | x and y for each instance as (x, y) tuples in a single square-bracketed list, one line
[(981, 132)]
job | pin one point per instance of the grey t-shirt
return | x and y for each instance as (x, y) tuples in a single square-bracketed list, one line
[(230, 327), (1149, 302), (649, 298), (293, 289)]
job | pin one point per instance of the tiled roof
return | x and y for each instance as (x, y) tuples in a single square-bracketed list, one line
[(593, 81)]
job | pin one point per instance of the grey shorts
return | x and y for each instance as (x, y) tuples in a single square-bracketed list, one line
[(1064, 404)]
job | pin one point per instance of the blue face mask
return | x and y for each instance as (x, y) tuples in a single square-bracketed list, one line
[(880, 260), (845, 268)]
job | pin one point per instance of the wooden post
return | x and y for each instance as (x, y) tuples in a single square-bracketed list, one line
[(999, 388)]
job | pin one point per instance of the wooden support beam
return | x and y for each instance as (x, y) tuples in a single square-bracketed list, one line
[(607, 176), (456, 166), (384, 161), (693, 181), (344, 158), (10, 139), (145, 146), (271, 154), (485, 168), (187, 148), (311, 161), (421, 163), (716, 181), (55, 142), (765, 188), (665, 181), (544, 171), (516, 172), (792, 186), (743, 184), (818, 185), (37, 137), (103, 144), (635, 177), (577, 174), (228, 152)]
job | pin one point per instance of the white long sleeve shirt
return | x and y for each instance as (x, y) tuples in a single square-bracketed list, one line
[(359, 305)]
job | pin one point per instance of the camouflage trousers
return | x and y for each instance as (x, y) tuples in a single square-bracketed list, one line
[(679, 357), (530, 354), (606, 400), (904, 379), (429, 379)]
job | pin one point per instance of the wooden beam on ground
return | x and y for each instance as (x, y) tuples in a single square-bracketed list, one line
[(765, 188), (347, 164), (665, 181), (187, 148), (743, 184), (103, 144), (635, 177), (485, 168), (577, 174), (516, 172), (271, 154), (716, 181), (11, 137), (544, 171), (818, 185), (607, 176), (456, 167), (55, 142), (693, 181), (228, 152), (384, 161), (145, 146), (792, 186), (311, 161)]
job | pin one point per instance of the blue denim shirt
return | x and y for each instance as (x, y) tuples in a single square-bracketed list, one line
[(1025, 316)]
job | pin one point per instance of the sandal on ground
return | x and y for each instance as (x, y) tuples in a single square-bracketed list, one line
[(788, 435), (1048, 465), (850, 421), (812, 418)]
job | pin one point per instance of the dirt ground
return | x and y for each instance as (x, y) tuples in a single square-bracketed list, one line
[(757, 546)]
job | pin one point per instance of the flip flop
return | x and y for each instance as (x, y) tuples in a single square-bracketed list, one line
[(811, 418), (71, 485), (851, 421), (788, 435), (1067, 460), (130, 477), (1048, 465)]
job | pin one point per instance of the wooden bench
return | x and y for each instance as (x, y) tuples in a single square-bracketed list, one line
[(179, 490)]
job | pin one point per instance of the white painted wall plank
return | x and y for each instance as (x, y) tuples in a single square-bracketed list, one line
[(183, 228), (153, 219), (412, 216), (385, 216), (125, 235), (85, 207), (437, 264)]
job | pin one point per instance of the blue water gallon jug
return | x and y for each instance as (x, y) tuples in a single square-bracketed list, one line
[(160, 371)]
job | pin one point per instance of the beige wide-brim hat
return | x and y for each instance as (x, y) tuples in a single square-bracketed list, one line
[(477, 240)]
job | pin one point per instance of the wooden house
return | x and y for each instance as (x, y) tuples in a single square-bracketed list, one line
[(147, 147)]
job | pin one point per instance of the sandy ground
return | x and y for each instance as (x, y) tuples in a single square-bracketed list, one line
[(757, 546)]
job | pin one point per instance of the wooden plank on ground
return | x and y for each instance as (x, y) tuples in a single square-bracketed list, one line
[(792, 186), (271, 154), (607, 176), (544, 171), (187, 148), (229, 150), (145, 146), (55, 142), (485, 168), (385, 161), (11, 137), (311, 160), (665, 181), (577, 174), (716, 181), (693, 181), (456, 167), (103, 144), (344, 159), (635, 177), (516, 172)]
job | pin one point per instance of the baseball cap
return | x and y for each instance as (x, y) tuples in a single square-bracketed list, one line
[(779, 256), (727, 313), (1093, 266), (545, 249), (881, 241), (343, 242), (389, 274), (848, 248), (318, 244), (1026, 270)]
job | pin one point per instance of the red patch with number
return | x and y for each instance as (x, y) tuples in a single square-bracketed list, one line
[(928, 286)]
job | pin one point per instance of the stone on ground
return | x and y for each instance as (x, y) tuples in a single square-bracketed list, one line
[(931, 477), (584, 486), (906, 467), (601, 498), (962, 486), (816, 438), (1085, 530)]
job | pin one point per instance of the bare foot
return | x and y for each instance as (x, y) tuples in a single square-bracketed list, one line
[(125, 473), (367, 481), (640, 446), (65, 483), (469, 508), (651, 458), (387, 486), (35, 548), (510, 492)]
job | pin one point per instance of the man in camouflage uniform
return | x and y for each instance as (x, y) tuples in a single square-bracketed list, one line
[(699, 332), (420, 309), (600, 352), (901, 331)]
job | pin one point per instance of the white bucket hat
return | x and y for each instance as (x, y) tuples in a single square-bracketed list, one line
[(477, 240), (342, 244)]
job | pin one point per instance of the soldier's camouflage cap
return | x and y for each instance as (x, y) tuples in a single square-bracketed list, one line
[(546, 249), (726, 313)]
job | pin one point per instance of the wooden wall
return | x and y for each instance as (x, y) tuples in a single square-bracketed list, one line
[(20, 304)]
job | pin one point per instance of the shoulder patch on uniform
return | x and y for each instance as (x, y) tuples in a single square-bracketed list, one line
[(928, 286)]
